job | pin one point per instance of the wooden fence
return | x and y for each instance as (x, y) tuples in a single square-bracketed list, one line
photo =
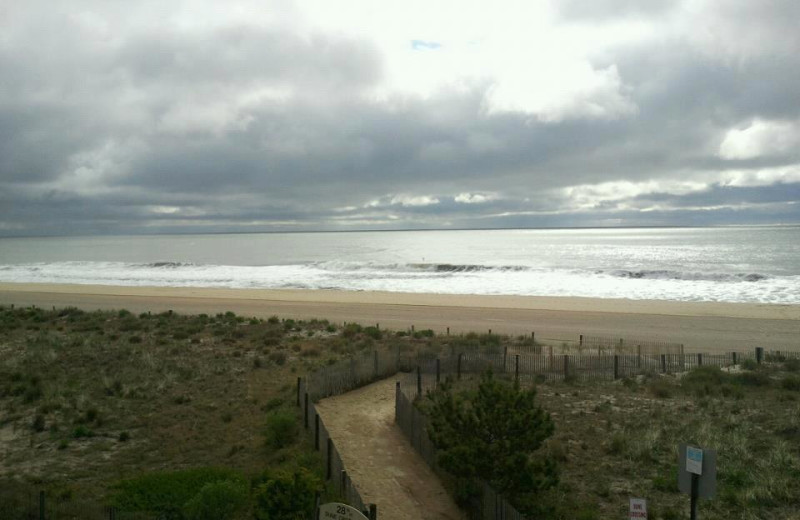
[(39, 505), (335, 470), (533, 368)]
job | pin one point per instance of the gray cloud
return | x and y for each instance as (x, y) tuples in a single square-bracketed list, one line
[(116, 125)]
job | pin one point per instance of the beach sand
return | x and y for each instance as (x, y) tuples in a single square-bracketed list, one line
[(700, 326)]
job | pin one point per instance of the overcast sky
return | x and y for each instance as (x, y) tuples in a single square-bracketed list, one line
[(193, 116)]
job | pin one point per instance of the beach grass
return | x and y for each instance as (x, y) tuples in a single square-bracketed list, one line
[(88, 399)]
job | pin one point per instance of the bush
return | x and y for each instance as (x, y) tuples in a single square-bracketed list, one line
[(38, 423), (791, 383), (282, 429), (757, 378), (466, 428), (373, 332), (792, 365), (286, 497), (661, 388), (217, 501), (167, 493), (749, 364), (279, 358), (351, 329)]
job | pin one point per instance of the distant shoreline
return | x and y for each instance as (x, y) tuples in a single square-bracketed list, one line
[(705, 326)]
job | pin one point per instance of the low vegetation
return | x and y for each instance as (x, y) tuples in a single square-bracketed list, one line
[(202, 409)]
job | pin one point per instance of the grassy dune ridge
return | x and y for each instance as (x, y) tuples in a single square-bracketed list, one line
[(88, 399)]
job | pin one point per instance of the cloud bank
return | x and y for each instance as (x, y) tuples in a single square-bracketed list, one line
[(261, 116)]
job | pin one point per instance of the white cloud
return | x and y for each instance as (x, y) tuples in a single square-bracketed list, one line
[(587, 196), (418, 200), (761, 177), (759, 139), (472, 198)]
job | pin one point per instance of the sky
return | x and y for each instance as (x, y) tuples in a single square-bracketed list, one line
[(206, 116)]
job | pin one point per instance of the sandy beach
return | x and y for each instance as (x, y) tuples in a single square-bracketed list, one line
[(700, 326)]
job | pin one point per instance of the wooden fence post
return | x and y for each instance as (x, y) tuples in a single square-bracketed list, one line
[(566, 366), (759, 354), (458, 366), (516, 369), (699, 359), (329, 472), (733, 357), (298, 391), (505, 357), (419, 382), (438, 371), (448, 331), (683, 359), (580, 340), (616, 367), (663, 363), (305, 410), (316, 432)]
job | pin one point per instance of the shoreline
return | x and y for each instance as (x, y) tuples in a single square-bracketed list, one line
[(717, 326)]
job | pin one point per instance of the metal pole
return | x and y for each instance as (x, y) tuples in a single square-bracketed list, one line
[(695, 490)]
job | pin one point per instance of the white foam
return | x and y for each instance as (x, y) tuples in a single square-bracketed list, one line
[(428, 278)]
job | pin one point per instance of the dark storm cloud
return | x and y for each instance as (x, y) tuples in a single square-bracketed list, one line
[(113, 124)]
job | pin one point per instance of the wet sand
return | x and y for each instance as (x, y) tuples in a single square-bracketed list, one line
[(700, 326)]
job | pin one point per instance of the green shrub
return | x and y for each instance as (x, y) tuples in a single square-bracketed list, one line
[(791, 383), (167, 493), (756, 378), (792, 365), (282, 429), (661, 388), (82, 432), (285, 497), (38, 423), (749, 364), (351, 329), (219, 500), (279, 358), (373, 332)]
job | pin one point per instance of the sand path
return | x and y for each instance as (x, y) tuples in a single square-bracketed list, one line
[(383, 465)]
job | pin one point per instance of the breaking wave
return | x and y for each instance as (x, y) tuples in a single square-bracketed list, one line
[(441, 278)]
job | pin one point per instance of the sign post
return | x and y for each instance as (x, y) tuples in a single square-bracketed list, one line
[(697, 474)]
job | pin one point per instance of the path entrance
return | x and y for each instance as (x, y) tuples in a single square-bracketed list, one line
[(382, 464)]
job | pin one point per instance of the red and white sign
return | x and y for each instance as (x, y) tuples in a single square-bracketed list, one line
[(638, 509)]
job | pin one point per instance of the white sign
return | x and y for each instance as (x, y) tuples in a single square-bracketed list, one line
[(337, 511), (638, 509), (694, 460)]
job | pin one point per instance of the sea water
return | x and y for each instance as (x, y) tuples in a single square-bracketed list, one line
[(731, 264)]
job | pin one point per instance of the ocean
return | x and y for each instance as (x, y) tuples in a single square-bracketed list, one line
[(729, 264)]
